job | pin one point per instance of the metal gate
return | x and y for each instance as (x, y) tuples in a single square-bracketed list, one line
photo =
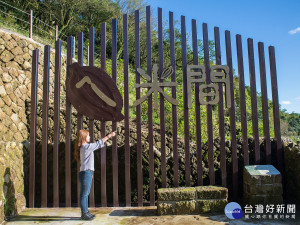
[(216, 77)]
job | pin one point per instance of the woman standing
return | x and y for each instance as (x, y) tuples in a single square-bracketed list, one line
[(84, 153)]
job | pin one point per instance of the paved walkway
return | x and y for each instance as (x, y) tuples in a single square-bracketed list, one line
[(124, 216)]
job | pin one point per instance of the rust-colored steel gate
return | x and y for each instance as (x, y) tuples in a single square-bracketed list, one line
[(191, 74)]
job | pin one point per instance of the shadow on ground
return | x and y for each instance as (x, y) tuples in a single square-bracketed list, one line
[(45, 218), (134, 212)]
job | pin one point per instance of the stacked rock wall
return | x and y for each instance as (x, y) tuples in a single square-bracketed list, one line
[(292, 170), (12, 199), (15, 93), (15, 84)]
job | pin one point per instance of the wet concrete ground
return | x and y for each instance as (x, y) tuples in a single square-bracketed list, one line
[(124, 216)]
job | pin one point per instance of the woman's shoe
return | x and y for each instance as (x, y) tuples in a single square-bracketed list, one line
[(86, 216), (90, 214)]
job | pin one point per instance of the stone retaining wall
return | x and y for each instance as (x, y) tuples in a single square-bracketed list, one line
[(15, 93), (12, 199), (292, 169), (15, 84)]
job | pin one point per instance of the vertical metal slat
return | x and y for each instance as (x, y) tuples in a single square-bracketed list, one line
[(186, 110), (138, 111), (56, 123), (68, 130), (103, 129), (221, 111), (253, 100), (126, 112), (45, 124), (114, 124), (242, 98), (150, 110), (232, 119), (276, 114), (34, 85), (209, 107), (91, 54), (174, 107), (264, 96), (162, 103), (197, 107), (79, 116)]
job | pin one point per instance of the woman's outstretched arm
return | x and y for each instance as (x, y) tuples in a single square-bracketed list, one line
[(112, 134), (98, 144)]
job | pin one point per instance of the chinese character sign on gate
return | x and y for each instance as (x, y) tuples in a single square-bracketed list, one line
[(155, 86), (195, 74), (218, 74)]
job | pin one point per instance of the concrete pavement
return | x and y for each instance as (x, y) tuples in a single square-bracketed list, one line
[(133, 215)]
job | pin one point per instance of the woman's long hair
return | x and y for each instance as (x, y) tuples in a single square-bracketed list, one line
[(80, 139)]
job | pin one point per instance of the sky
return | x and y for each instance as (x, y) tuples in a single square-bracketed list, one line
[(273, 22)]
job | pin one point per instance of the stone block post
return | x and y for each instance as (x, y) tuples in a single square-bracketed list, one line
[(262, 185)]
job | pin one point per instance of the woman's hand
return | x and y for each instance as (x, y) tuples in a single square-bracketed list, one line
[(112, 134)]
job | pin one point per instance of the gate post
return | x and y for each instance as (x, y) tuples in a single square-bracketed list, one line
[(31, 22), (34, 86), (56, 32)]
